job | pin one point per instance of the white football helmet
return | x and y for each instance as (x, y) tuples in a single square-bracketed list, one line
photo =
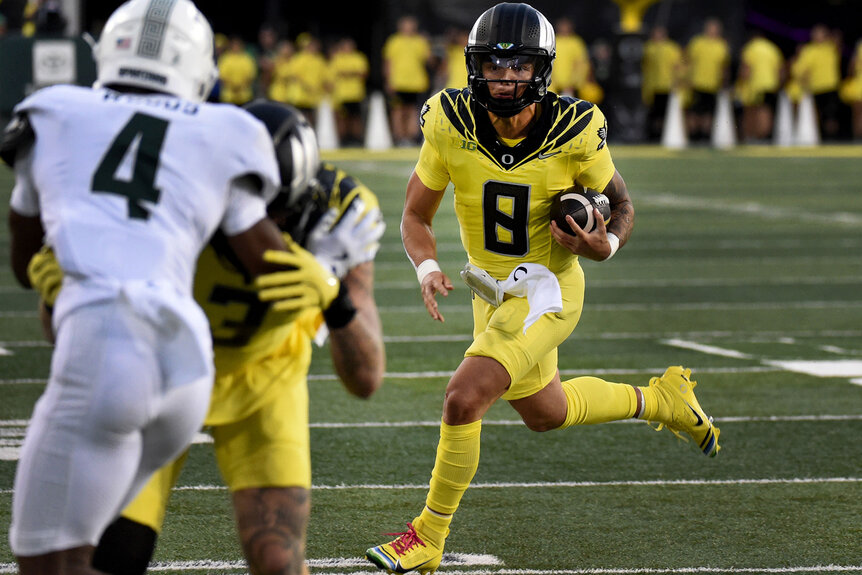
[(159, 45)]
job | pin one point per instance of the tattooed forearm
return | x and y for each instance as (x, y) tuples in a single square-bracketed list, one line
[(357, 349), (622, 210)]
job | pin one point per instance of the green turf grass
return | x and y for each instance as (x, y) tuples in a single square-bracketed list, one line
[(754, 252)]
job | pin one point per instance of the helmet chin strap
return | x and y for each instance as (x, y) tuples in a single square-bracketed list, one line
[(505, 113)]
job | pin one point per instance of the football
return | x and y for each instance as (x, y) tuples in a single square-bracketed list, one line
[(579, 203)]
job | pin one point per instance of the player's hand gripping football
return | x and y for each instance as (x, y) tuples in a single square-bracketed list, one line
[(593, 245), (354, 238), (304, 283)]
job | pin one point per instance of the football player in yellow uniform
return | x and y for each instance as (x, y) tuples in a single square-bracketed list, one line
[(258, 415), (509, 146)]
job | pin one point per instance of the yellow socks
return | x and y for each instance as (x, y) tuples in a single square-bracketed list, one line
[(456, 464), (594, 400), (656, 408)]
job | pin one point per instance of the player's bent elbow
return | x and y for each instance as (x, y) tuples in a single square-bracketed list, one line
[(363, 382), (26, 237)]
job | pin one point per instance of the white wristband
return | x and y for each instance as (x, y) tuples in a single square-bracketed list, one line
[(615, 245), (425, 268)]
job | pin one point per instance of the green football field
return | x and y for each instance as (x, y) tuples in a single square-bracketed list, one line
[(744, 265)]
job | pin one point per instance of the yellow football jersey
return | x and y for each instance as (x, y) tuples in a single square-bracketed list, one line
[(503, 193), (247, 336)]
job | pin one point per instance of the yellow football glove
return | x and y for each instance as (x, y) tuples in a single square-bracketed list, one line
[(45, 275), (304, 284)]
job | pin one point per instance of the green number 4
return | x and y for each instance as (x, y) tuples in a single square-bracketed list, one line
[(146, 134)]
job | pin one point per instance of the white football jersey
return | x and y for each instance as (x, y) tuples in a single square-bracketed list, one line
[(130, 187)]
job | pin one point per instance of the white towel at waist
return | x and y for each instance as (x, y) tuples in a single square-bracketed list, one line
[(539, 285)]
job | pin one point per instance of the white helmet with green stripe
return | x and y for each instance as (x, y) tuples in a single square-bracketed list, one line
[(160, 46)]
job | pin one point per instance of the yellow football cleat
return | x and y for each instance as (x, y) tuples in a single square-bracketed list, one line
[(408, 552), (677, 389)]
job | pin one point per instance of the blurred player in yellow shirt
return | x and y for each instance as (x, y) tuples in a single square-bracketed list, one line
[(572, 64), (406, 57), (237, 73), (305, 77), (661, 68), (279, 74), (760, 78), (817, 70), (851, 90), (349, 70), (455, 71), (707, 60)]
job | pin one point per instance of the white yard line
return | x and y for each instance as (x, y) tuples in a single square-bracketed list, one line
[(482, 560), (562, 484), (669, 571), (763, 211), (676, 282), (693, 306), (447, 374), (13, 427), (8, 314), (477, 560), (739, 336), (744, 336), (707, 349), (620, 307), (12, 431), (849, 368)]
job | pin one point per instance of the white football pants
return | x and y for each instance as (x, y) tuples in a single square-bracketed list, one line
[(106, 422)]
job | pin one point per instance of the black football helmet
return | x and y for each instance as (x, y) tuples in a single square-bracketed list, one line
[(295, 149), (510, 34)]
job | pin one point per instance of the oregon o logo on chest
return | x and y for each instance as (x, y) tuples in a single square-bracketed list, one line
[(507, 159)]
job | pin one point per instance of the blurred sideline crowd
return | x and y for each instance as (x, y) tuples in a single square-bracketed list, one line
[(698, 72), (307, 73), (304, 73)]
